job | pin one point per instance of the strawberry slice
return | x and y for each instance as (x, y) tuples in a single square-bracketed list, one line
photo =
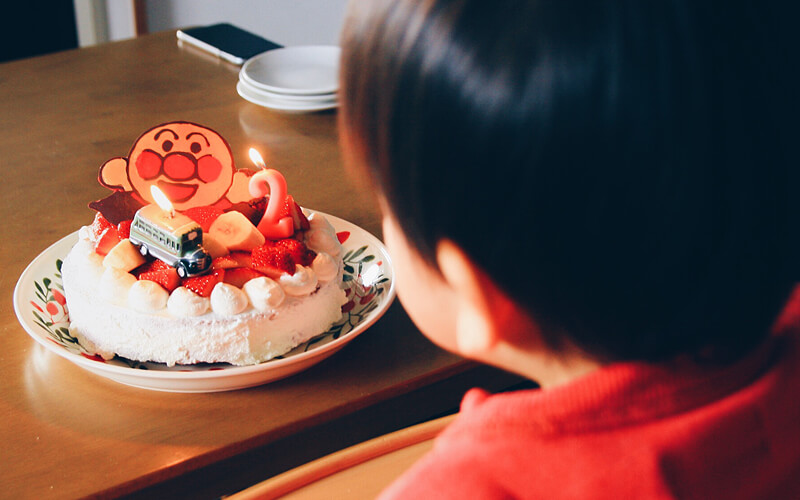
[(205, 216), (298, 250), (224, 262), (107, 240), (98, 226), (151, 265), (202, 285), (298, 217), (159, 265), (124, 229), (243, 259), (232, 260), (272, 261), (240, 275), (167, 278)]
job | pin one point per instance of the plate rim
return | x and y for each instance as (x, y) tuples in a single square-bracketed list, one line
[(280, 106), (231, 372), (270, 54), (287, 98)]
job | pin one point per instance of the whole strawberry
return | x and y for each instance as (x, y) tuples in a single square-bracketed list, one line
[(298, 250), (272, 261), (205, 216)]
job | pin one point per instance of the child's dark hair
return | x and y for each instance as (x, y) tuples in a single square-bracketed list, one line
[(619, 167)]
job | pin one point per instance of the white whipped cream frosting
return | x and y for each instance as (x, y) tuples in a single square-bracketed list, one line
[(115, 284), (185, 303), (147, 296), (302, 282), (317, 221), (321, 236), (265, 293), (325, 267), (228, 300)]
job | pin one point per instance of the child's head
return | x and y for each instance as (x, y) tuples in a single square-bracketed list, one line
[(614, 167)]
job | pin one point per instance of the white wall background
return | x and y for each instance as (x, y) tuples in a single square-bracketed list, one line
[(288, 22)]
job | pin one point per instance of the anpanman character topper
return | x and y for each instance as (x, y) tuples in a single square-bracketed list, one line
[(191, 164)]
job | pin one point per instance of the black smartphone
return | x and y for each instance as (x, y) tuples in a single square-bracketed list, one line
[(227, 41)]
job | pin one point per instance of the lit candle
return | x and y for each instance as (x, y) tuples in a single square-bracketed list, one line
[(274, 224), (162, 201)]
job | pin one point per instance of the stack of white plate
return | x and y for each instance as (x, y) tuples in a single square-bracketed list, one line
[(301, 79)]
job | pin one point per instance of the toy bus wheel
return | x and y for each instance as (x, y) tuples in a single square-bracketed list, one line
[(182, 272), (143, 250)]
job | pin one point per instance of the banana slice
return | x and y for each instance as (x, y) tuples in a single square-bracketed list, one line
[(236, 232)]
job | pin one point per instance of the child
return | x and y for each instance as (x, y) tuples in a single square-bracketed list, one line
[(594, 195)]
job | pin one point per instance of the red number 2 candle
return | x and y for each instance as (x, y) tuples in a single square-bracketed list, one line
[(274, 225)]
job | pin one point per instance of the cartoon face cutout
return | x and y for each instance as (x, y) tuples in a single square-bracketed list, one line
[(191, 164)]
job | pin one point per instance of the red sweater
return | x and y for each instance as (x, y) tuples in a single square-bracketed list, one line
[(629, 430)]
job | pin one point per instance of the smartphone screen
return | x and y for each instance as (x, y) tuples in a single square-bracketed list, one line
[(227, 41)]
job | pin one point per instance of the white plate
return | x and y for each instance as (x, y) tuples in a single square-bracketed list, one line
[(300, 70), (243, 77), (247, 94), (287, 98), (38, 303)]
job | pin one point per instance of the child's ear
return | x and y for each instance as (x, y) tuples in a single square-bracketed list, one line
[(481, 307)]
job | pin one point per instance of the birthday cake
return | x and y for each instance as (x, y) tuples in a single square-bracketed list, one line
[(191, 260)]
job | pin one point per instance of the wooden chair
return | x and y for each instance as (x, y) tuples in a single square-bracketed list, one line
[(360, 471)]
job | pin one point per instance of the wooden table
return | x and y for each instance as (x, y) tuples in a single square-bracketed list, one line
[(68, 433)]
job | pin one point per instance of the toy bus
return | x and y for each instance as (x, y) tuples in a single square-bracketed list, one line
[(175, 239)]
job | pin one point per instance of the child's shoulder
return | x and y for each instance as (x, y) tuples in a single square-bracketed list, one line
[(663, 424)]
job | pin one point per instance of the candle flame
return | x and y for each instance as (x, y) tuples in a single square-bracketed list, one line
[(256, 158), (161, 200)]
